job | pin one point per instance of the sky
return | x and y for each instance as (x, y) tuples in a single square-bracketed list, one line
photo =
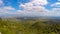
[(29, 8)]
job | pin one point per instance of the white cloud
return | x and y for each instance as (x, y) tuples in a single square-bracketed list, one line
[(33, 8), (1, 2), (6, 10), (36, 2), (28, 8), (32, 11), (53, 12), (36, 8), (56, 9), (56, 12), (57, 4), (39, 2), (36, 5), (58, 0)]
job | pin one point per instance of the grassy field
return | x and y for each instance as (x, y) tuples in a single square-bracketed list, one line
[(38, 26)]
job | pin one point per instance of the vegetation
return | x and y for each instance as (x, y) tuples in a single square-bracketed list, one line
[(38, 26)]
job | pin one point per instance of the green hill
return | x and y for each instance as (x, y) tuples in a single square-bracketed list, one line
[(38, 26)]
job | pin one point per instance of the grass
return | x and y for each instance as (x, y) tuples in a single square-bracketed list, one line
[(8, 26)]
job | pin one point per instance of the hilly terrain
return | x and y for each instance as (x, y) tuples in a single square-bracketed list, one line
[(29, 25)]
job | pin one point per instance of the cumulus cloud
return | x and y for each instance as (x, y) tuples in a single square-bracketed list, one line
[(57, 13), (6, 10), (35, 4), (56, 9), (33, 8), (1, 2), (57, 4), (53, 12), (39, 2), (36, 8)]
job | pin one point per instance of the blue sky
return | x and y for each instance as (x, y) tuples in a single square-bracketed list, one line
[(15, 3), (30, 7)]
